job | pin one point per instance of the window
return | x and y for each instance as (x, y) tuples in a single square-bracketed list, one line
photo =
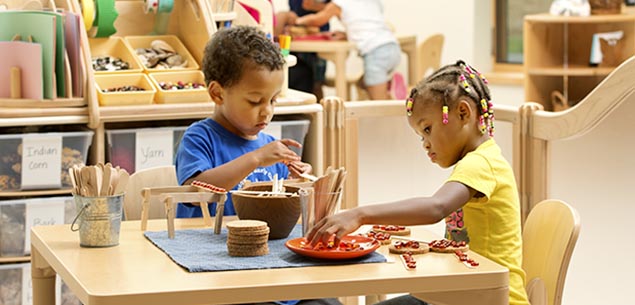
[(509, 27)]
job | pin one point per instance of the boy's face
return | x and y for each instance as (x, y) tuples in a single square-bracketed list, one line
[(246, 108)]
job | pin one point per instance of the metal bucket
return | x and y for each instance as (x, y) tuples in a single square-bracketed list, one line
[(98, 220)]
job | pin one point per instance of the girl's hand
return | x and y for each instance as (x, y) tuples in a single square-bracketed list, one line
[(334, 227), (277, 151), (298, 167)]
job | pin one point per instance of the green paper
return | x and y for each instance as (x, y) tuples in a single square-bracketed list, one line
[(46, 28)]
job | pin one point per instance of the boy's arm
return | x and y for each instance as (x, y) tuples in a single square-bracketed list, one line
[(313, 5), (231, 173), (320, 18)]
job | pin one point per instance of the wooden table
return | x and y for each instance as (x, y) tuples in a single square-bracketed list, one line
[(137, 273), (337, 52)]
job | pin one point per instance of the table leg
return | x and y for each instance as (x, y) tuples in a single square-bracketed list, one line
[(43, 280), (496, 296), (340, 75)]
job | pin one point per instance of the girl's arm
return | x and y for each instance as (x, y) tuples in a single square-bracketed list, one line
[(320, 18), (231, 173), (414, 211)]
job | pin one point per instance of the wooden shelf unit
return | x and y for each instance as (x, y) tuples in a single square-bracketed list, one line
[(191, 22), (557, 50)]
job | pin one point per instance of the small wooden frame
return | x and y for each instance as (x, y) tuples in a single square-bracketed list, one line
[(172, 195)]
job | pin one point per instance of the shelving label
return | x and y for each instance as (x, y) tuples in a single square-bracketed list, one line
[(41, 161), (42, 213), (154, 148)]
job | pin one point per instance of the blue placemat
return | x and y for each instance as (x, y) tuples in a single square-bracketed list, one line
[(202, 250)]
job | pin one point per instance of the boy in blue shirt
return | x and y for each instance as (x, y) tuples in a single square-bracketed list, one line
[(243, 73)]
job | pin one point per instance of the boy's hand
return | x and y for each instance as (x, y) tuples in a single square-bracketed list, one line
[(277, 151), (337, 35), (298, 167)]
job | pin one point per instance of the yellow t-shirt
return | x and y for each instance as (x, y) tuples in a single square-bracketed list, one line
[(491, 223)]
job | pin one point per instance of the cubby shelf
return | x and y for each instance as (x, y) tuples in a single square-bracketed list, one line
[(557, 53)]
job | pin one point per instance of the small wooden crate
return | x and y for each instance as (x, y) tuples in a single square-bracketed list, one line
[(605, 7)]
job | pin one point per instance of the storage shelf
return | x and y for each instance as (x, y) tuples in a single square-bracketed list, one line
[(557, 50), (548, 18), (187, 111), (35, 193), (15, 259), (571, 71), (218, 17)]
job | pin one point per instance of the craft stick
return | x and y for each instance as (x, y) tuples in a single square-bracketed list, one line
[(15, 83), (170, 208), (220, 210), (263, 193)]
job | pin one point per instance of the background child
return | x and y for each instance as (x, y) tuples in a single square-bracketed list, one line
[(452, 112), (243, 72), (308, 74), (366, 27)]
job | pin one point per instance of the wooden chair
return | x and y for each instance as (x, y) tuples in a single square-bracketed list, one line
[(429, 55), (151, 177), (549, 236), (428, 60)]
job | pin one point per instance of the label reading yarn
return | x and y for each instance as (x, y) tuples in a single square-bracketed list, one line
[(154, 148)]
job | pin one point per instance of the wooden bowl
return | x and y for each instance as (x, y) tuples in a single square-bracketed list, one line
[(281, 213)]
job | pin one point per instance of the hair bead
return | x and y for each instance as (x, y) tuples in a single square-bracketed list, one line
[(466, 85), (445, 114), (409, 104)]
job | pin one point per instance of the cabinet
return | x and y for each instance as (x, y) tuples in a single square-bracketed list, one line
[(557, 52)]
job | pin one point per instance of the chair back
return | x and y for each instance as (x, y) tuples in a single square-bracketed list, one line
[(549, 236), (150, 177), (429, 54)]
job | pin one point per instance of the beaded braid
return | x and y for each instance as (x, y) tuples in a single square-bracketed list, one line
[(471, 82)]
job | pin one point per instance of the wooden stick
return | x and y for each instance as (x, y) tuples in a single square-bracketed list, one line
[(262, 193), (16, 82)]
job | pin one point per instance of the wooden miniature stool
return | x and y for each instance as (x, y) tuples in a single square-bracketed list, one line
[(199, 192)]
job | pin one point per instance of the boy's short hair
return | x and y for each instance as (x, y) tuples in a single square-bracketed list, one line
[(231, 50)]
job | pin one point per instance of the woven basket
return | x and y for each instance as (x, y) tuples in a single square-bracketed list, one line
[(604, 7)]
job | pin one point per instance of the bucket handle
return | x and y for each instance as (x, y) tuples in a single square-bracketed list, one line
[(77, 217)]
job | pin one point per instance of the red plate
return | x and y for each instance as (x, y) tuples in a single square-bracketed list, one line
[(366, 246)]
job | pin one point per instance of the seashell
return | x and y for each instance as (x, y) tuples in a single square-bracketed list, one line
[(162, 46), (174, 61), (152, 61)]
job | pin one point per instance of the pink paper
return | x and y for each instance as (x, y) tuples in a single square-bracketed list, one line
[(28, 57)]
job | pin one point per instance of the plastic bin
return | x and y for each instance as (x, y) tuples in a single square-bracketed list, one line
[(15, 287), (74, 151), (12, 290), (115, 47), (292, 129), (18, 216), (122, 149), (119, 98), (144, 42), (197, 95)]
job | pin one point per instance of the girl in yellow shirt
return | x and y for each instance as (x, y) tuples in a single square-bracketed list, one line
[(452, 112)]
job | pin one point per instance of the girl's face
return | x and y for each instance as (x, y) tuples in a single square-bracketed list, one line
[(246, 108), (447, 143)]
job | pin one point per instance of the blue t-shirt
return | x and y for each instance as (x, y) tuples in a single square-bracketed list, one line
[(296, 6), (206, 144)]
